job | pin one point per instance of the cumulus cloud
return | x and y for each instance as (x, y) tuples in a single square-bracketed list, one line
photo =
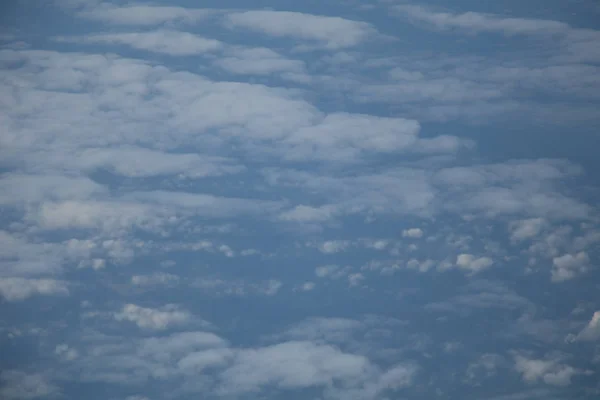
[(154, 319), (592, 331), (169, 42), (142, 15), (479, 22), (414, 233), (155, 279), (221, 287), (550, 371), (526, 229), (19, 289), (333, 246), (569, 266), (260, 61), (330, 32), (19, 385), (473, 264)]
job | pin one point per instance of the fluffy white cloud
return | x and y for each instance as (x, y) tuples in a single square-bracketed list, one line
[(569, 266), (18, 385), (158, 278), (155, 319), (414, 233), (18, 289), (295, 364), (333, 246), (481, 22), (259, 61), (142, 15), (169, 42), (592, 330), (331, 271), (549, 371), (331, 32), (221, 287), (472, 263), (526, 229)]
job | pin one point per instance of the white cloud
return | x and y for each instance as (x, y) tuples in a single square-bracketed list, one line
[(355, 279), (136, 162), (143, 15), (18, 289), (592, 331), (331, 330), (157, 278), (307, 286), (333, 246), (296, 364), (569, 266), (330, 32), (549, 371), (331, 271), (343, 136), (155, 319), (526, 229), (65, 352), (302, 213), (258, 61), (169, 42), (24, 189), (18, 385), (421, 266), (479, 22), (414, 233), (222, 287), (472, 263)]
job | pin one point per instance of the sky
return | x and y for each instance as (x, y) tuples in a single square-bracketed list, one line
[(306, 200)]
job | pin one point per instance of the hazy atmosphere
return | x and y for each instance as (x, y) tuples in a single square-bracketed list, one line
[(305, 200)]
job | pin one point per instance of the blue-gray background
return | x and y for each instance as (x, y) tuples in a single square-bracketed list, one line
[(299, 200)]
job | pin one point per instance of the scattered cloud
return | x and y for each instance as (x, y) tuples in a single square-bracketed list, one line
[(298, 176), (329, 32), (169, 42), (154, 319), (19, 289), (20, 385), (550, 371), (414, 233), (592, 330), (569, 266)]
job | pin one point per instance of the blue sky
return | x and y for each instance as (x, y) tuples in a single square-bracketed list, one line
[(299, 200)]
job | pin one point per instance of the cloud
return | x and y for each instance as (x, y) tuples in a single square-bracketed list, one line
[(220, 287), (550, 371), (173, 43), (135, 162), (295, 364), (19, 289), (65, 352), (526, 229), (479, 22), (19, 385), (483, 294), (154, 319), (592, 331), (473, 264), (260, 61), (569, 266), (331, 271), (329, 32), (143, 15), (333, 246), (414, 233), (155, 279)]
